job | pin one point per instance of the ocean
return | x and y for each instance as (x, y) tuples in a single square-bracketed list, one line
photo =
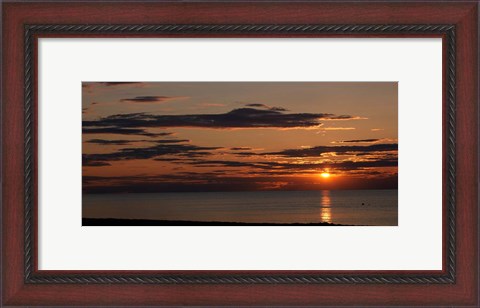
[(347, 207)]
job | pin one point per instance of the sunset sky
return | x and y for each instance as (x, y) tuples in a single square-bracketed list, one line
[(235, 136)]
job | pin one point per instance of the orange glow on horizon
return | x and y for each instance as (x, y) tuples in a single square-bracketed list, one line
[(325, 175)]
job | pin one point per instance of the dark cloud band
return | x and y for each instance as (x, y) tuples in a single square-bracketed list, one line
[(319, 150), (237, 118), (121, 131), (148, 152), (148, 99)]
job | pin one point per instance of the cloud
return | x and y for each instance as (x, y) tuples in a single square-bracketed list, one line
[(95, 163), (319, 150), (125, 142), (278, 109), (366, 140), (148, 152), (223, 163), (376, 129), (266, 107), (212, 105), (121, 83), (110, 142), (121, 131), (219, 181), (245, 153), (258, 173), (150, 99), (174, 182), (88, 85), (172, 141), (346, 117), (257, 105), (169, 159), (359, 141), (237, 118), (240, 148), (273, 167)]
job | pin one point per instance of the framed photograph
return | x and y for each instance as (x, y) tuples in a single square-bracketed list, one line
[(219, 154), (240, 154)]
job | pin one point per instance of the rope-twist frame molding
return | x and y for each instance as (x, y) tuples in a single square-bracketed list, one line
[(448, 275)]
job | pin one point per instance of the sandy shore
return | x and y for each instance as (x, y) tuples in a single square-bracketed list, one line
[(145, 222)]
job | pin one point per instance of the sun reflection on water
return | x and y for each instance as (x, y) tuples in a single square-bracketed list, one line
[(325, 209)]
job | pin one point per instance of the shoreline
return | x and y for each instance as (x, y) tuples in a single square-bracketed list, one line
[(86, 222)]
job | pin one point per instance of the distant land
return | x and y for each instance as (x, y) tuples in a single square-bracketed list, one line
[(146, 222)]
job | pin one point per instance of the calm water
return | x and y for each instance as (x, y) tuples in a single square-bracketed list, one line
[(380, 207)]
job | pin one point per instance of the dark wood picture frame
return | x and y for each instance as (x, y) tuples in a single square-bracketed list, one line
[(24, 23)]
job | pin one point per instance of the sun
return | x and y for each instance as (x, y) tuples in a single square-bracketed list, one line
[(325, 175)]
